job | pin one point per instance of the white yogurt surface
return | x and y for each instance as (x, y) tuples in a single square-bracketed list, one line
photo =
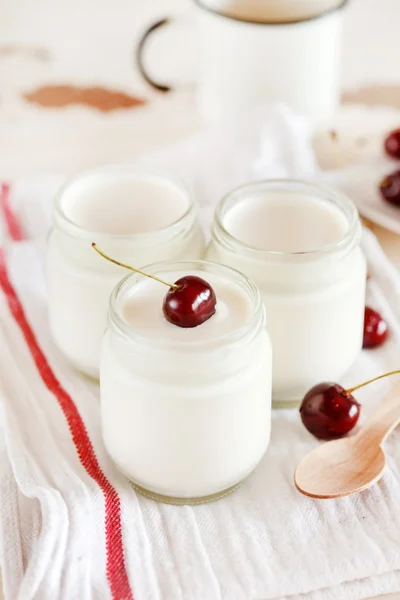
[(193, 420), (123, 202), (286, 223), (142, 310)]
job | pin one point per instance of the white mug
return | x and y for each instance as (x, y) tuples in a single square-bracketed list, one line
[(263, 51)]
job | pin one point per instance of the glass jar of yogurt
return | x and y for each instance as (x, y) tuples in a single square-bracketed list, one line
[(135, 216), (186, 412), (300, 243)]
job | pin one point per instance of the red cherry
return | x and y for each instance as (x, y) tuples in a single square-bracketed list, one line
[(191, 303), (376, 329), (392, 144), (329, 412), (389, 188)]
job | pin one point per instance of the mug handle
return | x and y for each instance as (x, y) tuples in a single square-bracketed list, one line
[(140, 52)]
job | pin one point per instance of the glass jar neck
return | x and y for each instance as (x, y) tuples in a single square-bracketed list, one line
[(340, 248)]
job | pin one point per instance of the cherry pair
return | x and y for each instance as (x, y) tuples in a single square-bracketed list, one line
[(390, 186)]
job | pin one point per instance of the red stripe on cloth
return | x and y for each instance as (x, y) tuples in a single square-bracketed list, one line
[(115, 561), (11, 220)]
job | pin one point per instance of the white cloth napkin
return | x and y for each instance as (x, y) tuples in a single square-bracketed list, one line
[(73, 528)]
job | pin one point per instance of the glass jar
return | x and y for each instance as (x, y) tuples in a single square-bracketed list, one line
[(314, 299), (186, 418), (107, 206)]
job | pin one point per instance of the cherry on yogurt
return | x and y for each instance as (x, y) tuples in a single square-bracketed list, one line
[(189, 302)]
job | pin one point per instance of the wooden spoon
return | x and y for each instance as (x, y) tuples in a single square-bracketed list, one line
[(353, 464)]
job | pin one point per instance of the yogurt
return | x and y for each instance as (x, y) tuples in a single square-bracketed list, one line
[(300, 243), (136, 217), (286, 222), (186, 412)]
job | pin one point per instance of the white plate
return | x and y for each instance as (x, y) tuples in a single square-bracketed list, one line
[(361, 183), (355, 161)]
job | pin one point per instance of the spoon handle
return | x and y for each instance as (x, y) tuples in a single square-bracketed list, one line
[(383, 419)]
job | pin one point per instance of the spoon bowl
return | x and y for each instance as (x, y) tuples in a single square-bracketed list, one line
[(340, 468)]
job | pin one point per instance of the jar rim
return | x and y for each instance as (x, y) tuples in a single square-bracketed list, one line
[(271, 23), (130, 280), (71, 228), (341, 200)]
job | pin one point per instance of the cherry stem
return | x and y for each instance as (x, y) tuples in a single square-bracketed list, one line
[(121, 264), (385, 183), (361, 385)]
